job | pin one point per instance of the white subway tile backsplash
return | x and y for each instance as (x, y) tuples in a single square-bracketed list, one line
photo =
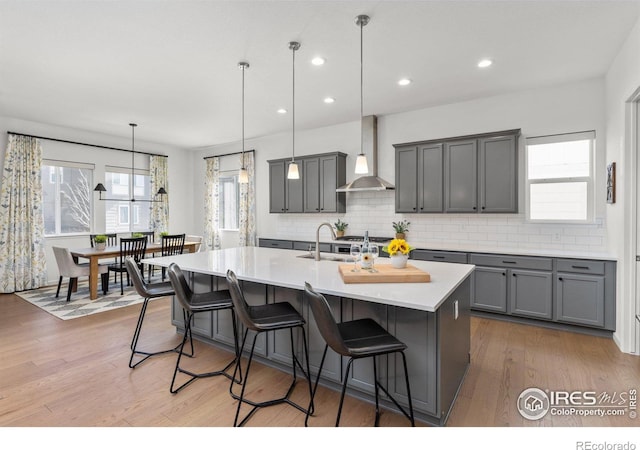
[(375, 212)]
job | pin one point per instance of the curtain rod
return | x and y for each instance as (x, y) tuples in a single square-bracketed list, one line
[(229, 154), (88, 145)]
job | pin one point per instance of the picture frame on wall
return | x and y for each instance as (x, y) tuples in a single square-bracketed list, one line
[(611, 183)]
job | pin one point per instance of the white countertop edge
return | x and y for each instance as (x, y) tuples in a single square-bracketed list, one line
[(276, 269)]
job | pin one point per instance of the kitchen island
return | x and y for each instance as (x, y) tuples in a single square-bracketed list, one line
[(431, 318)]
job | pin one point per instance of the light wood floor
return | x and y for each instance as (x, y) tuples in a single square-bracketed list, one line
[(75, 373)]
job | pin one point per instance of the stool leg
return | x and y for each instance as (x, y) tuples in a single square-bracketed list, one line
[(187, 333), (377, 391), (344, 389), (244, 385), (406, 378), (315, 387)]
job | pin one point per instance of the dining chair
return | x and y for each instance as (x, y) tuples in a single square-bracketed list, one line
[(134, 247), (112, 239), (69, 268), (171, 244), (195, 238)]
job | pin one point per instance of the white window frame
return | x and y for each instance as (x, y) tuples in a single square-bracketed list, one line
[(590, 179), (226, 176), (120, 208), (57, 173)]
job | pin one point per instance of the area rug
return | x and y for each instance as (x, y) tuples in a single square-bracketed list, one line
[(80, 304)]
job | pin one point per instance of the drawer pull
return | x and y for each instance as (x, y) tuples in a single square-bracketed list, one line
[(438, 257), (509, 262), (580, 267)]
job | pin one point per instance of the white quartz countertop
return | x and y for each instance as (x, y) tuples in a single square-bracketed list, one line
[(283, 268)]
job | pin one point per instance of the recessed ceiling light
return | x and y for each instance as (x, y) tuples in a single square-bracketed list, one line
[(318, 61), (404, 81), (485, 63), (282, 111), (329, 100)]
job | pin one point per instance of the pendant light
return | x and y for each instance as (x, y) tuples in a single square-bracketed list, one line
[(243, 176), (100, 187), (293, 173), (361, 161)]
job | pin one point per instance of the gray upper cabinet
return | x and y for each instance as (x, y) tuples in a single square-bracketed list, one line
[(498, 159), (461, 176), (470, 174), (315, 191), (419, 178), (284, 195)]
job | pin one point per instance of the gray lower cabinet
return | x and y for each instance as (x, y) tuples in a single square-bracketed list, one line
[(438, 345), (585, 293), (310, 246), (276, 243), (439, 256), (515, 285), (530, 294), (489, 289)]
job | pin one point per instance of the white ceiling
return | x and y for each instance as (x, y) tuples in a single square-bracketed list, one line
[(171, 66)]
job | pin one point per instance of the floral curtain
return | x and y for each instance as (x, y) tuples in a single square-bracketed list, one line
[(247, 208), (211, 213), (158, 166), (22, 255)]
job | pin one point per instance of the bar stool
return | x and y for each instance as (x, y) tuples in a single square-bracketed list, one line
[(263, 318), (146, 291), (192, 304), (356, 339)]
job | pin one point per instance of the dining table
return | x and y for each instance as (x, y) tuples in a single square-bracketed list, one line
[(94, 256)]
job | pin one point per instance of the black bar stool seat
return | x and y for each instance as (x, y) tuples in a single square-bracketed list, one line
[(356, 339), (193, 303), (263, 318), (146, 291)]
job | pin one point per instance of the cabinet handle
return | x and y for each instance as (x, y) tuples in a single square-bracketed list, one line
[(509, 262), (483, 207), (504, 274), (560, 278), (414, 208), (438, 257), (282, 209), (513, 274), (474, 208), (580, 267)]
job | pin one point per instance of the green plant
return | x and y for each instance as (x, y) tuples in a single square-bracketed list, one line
[(402, 226), (100, 239), (164, 233), (137, 235), (340, 225)]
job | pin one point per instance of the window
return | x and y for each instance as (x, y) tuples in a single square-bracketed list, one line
[(123, 215), (560, 177), (229, 201), (66, 197)]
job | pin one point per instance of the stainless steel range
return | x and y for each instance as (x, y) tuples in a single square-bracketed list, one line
[(346, 247)]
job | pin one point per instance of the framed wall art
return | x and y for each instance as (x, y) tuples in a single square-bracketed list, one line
[(611, 183)]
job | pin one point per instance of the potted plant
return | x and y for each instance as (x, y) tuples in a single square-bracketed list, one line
[(401, 228), (398, 250), (164, 233), (340, 227), (100, 241), (137, 235)]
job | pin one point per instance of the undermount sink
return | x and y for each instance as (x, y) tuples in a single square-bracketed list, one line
[(327, 257)]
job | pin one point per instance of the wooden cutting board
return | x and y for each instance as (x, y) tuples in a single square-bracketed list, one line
[(386, 274)]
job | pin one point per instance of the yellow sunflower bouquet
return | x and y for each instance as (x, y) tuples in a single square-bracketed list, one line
[(397, 246)]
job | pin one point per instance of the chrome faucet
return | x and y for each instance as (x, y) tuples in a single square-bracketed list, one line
[(333, 235)]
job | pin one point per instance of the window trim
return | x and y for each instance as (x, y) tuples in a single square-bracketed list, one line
[(589, 179)]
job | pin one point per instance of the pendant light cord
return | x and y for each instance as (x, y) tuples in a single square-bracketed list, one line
[(293, 107), (243, 67), (361, 89)]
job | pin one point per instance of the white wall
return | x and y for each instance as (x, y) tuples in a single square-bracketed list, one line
[(180, 165), (558, 109), (622, 80)]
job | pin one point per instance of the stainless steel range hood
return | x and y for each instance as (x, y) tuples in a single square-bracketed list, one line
[(370, 148)]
